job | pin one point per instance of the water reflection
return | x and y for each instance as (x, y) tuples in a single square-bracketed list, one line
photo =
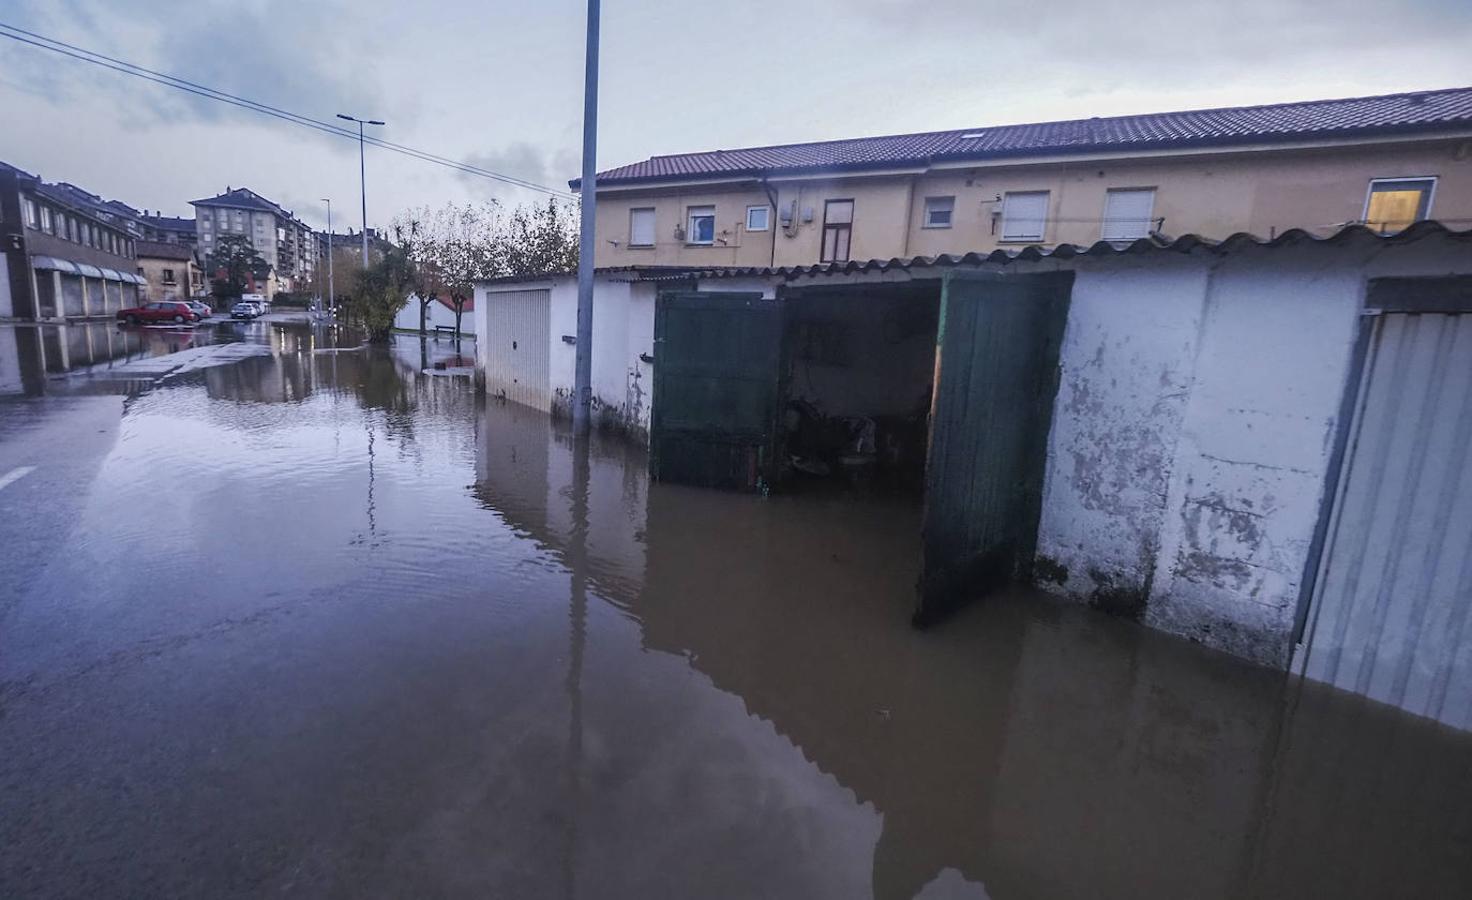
[(403, 641), (1038, 750), (33, 356)]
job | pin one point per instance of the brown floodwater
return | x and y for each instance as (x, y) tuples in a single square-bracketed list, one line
[(371, 635)]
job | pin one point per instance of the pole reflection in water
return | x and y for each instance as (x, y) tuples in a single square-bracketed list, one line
[(540, 674), (1034, 748)]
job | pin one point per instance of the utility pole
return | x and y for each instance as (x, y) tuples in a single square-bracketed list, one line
[(588, 204), (362, 177), (331, 288)]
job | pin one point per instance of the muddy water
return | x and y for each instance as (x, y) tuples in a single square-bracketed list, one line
[(372, 636)]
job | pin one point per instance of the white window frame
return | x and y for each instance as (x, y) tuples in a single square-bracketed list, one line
[(700, 212), (1370, 193), (766, 212), (48, 219), (1042, 231), (931, 206), (32, 214), (1149, 218), (653, 226)]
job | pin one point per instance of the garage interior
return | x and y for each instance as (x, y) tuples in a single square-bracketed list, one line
[(858, 379)]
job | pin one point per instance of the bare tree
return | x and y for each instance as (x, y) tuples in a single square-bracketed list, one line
[(455, 246)]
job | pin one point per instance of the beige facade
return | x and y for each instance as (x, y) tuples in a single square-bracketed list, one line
[(1212, 193), (170, 277)]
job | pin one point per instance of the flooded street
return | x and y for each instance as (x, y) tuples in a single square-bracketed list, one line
[(310, 619)]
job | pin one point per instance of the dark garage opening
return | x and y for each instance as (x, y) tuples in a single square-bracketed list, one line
[(858, 375)]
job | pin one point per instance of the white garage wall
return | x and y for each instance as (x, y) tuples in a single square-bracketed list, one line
[(1127, 364), (623, 328), (1192, 433)]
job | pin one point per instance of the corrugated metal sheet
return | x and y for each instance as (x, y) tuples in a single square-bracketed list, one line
[(1393, 598), (996, 377), (1384, 114), (1187, 243), (718, 360), (518, 346)]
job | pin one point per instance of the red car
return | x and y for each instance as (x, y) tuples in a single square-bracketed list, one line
[(174, 311)]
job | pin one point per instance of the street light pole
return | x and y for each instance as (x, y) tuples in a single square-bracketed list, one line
[(331, 288), (588, 203), (362, 177)]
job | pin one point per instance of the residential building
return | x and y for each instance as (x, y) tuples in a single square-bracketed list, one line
[(68, 254), (171, 270), (286, 243), (351, 241), (1318, 165), (168, 229)]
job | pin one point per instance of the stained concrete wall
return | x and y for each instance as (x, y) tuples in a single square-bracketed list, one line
[(623, 330), (1195, 419)]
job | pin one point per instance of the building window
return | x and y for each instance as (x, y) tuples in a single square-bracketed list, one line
[(1395, 203), (758, 218), (1128, 214), (73, 233), (33, 220), (938, 211), (1024, 214), (641, 227), (168, 276), (702, 225), (838, 230), (48, 224)]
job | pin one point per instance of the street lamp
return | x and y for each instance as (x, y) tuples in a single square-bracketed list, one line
[(331, 290), (362, 177)]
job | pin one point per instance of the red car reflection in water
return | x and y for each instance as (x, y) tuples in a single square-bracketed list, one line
[(164, 311)]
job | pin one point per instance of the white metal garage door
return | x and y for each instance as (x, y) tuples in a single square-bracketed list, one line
[(1390, 613), (518, 345)]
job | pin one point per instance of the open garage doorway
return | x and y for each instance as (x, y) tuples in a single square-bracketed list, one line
[(859, 372)]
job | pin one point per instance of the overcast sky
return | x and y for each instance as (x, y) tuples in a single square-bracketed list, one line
[(499, 83)]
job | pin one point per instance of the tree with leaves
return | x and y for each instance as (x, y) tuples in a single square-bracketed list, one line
[(455, 246), (233, 264), (379, 292)]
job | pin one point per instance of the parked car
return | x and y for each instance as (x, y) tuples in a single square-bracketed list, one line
[(245, 309), (200, 309), (176, 311)]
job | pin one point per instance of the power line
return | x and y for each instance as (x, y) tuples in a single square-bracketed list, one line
[(209, 93)]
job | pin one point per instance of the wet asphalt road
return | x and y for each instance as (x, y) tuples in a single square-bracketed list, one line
[(317, 622)]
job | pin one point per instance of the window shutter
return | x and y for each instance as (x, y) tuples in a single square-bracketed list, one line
[(641, 227), (1024, 215), (1127, 214)]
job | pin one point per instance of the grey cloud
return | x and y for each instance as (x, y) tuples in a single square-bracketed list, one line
[(525, 161), (238, 48)]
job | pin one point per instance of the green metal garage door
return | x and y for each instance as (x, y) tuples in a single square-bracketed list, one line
[(717, 361), (996, 376)]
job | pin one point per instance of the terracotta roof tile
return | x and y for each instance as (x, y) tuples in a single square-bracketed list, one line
[(1387, 114)]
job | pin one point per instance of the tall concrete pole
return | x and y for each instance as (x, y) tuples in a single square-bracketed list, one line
[(363, 192), (331, 287), (588, 203)]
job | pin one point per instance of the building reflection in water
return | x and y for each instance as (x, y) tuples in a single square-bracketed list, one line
[(1038, 749), (33, 356)]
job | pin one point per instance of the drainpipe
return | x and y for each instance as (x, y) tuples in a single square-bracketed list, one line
[(909, 219), (772, 225)]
